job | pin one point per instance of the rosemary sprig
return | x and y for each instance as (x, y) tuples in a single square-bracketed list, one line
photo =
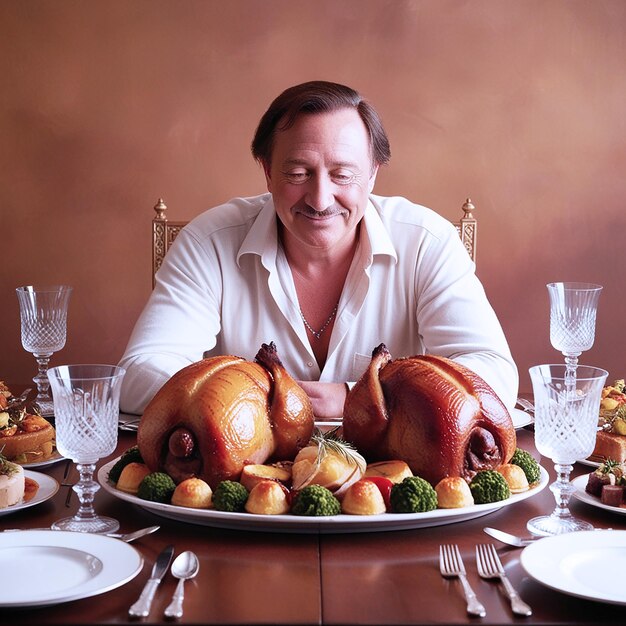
[(331, 443)]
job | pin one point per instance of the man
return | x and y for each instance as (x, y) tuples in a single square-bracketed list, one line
[(319, 265)]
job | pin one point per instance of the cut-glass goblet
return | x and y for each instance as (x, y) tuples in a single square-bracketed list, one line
[(43, 316), (86, 405), (566, 423)]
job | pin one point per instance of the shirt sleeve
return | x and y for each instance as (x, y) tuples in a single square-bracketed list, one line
[(456, 319), (179, 323)]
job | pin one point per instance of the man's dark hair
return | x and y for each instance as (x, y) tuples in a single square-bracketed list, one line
[(317, 97)]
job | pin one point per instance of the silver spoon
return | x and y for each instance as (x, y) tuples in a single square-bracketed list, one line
[(184, 567), (511, 540)]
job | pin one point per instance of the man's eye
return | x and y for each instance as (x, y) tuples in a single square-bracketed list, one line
[(343, 178), (296, 177)]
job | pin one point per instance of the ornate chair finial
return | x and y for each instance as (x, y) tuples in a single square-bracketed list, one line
[(160, 207)]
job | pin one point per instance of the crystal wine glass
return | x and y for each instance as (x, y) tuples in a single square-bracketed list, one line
[(566, 422), (43, 315), (573, 309), (86, 404)]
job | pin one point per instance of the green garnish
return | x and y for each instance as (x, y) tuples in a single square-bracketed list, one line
[(331, 443), (6, 467), (609, 466)]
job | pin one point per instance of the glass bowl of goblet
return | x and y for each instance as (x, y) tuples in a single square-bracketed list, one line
[(573, 308), (566, 423), (86, 407)]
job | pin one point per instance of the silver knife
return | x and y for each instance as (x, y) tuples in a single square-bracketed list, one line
[(141, 608)]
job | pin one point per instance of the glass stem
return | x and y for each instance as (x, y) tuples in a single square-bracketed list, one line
[(571, 363), (41, 380), (86, 489), (562, 489)]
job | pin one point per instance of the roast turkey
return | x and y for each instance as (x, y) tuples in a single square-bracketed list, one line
[(431, 412), (214, 416)]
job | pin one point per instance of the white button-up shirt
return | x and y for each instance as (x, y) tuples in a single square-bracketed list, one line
[(225, 287)]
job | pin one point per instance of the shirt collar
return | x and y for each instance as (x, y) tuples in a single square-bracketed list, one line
[(376, 232), (262, 238)]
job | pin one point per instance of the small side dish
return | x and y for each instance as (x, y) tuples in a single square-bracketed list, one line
[(608, 483), (25, 436), (12, 483), (611, 440)]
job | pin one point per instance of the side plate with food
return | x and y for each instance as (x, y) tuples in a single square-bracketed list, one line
[(604, 488), (40, 488)]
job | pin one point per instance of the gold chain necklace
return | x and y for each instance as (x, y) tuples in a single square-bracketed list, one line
[(318, 333)]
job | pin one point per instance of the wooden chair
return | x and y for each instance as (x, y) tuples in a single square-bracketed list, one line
[(164, 232)]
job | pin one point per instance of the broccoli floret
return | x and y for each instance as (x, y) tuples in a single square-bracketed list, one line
[(132, 455), (230, 496), (489, 486), (527, 462), (156, 487), (413, 495), (315, 500)]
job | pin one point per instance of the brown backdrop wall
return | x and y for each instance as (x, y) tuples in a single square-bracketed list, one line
[(106, 106)]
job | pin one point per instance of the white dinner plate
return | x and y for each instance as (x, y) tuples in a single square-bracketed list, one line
[(331, 524), (580, 483), (587, 564), (45, 567), (48, 486), (520, 419)]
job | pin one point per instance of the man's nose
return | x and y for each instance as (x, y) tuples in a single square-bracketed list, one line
[(320, 194)]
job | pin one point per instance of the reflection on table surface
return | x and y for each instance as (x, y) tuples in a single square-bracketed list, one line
[(251, 577)]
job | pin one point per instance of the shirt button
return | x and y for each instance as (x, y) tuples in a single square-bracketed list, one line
[(310, 364)]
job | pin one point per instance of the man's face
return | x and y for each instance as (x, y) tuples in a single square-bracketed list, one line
[(320, 177)]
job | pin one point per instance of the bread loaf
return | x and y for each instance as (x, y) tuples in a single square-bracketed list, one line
[(610, 446)]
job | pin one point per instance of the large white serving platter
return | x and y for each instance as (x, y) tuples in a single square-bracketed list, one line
[(580, 483), (588, 564), (48, 486), (331, 524), (46, 567)]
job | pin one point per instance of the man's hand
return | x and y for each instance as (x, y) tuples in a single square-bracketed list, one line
[(327, 398)]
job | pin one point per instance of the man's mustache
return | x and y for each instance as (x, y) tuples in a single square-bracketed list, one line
[(329, 212)]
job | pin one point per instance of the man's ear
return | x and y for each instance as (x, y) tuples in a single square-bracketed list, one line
[(372, 179), (268, 175)]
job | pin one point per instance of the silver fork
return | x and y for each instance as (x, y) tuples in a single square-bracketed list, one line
[(528, 406), (489, 567), (451, 565)]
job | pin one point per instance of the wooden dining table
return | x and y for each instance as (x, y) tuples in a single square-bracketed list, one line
[(253, 577)]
